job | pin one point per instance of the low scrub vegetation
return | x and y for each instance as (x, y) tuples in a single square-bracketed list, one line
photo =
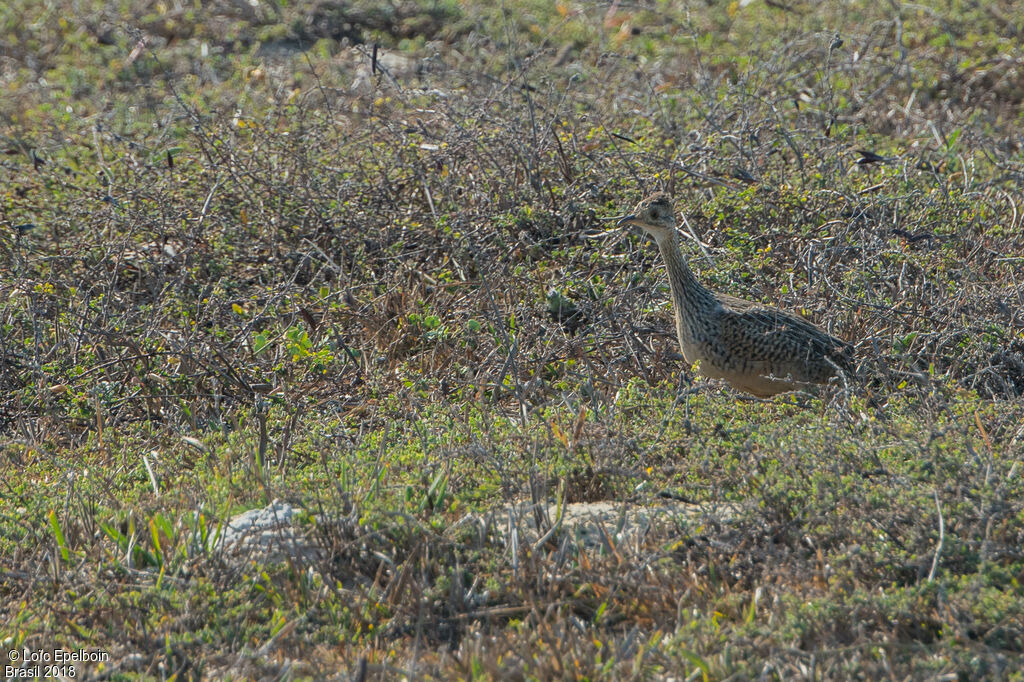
[(357, 256)]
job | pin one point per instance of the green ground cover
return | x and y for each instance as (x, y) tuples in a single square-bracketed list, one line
[(355, 256)]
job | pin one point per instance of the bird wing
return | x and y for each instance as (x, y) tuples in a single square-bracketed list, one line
[(780, 343)]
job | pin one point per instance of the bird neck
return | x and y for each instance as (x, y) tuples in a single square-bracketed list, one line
[(688, 295)]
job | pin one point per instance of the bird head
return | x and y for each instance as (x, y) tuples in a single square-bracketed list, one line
[(654, 215)]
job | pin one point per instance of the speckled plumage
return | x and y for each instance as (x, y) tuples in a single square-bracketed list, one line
[(755, 348)]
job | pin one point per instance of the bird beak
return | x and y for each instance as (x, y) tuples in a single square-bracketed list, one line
[(625, 220)]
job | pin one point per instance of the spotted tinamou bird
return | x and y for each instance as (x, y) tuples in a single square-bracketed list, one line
[(755, 348)]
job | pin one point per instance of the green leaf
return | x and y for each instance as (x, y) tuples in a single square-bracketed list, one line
[(59, 535)]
